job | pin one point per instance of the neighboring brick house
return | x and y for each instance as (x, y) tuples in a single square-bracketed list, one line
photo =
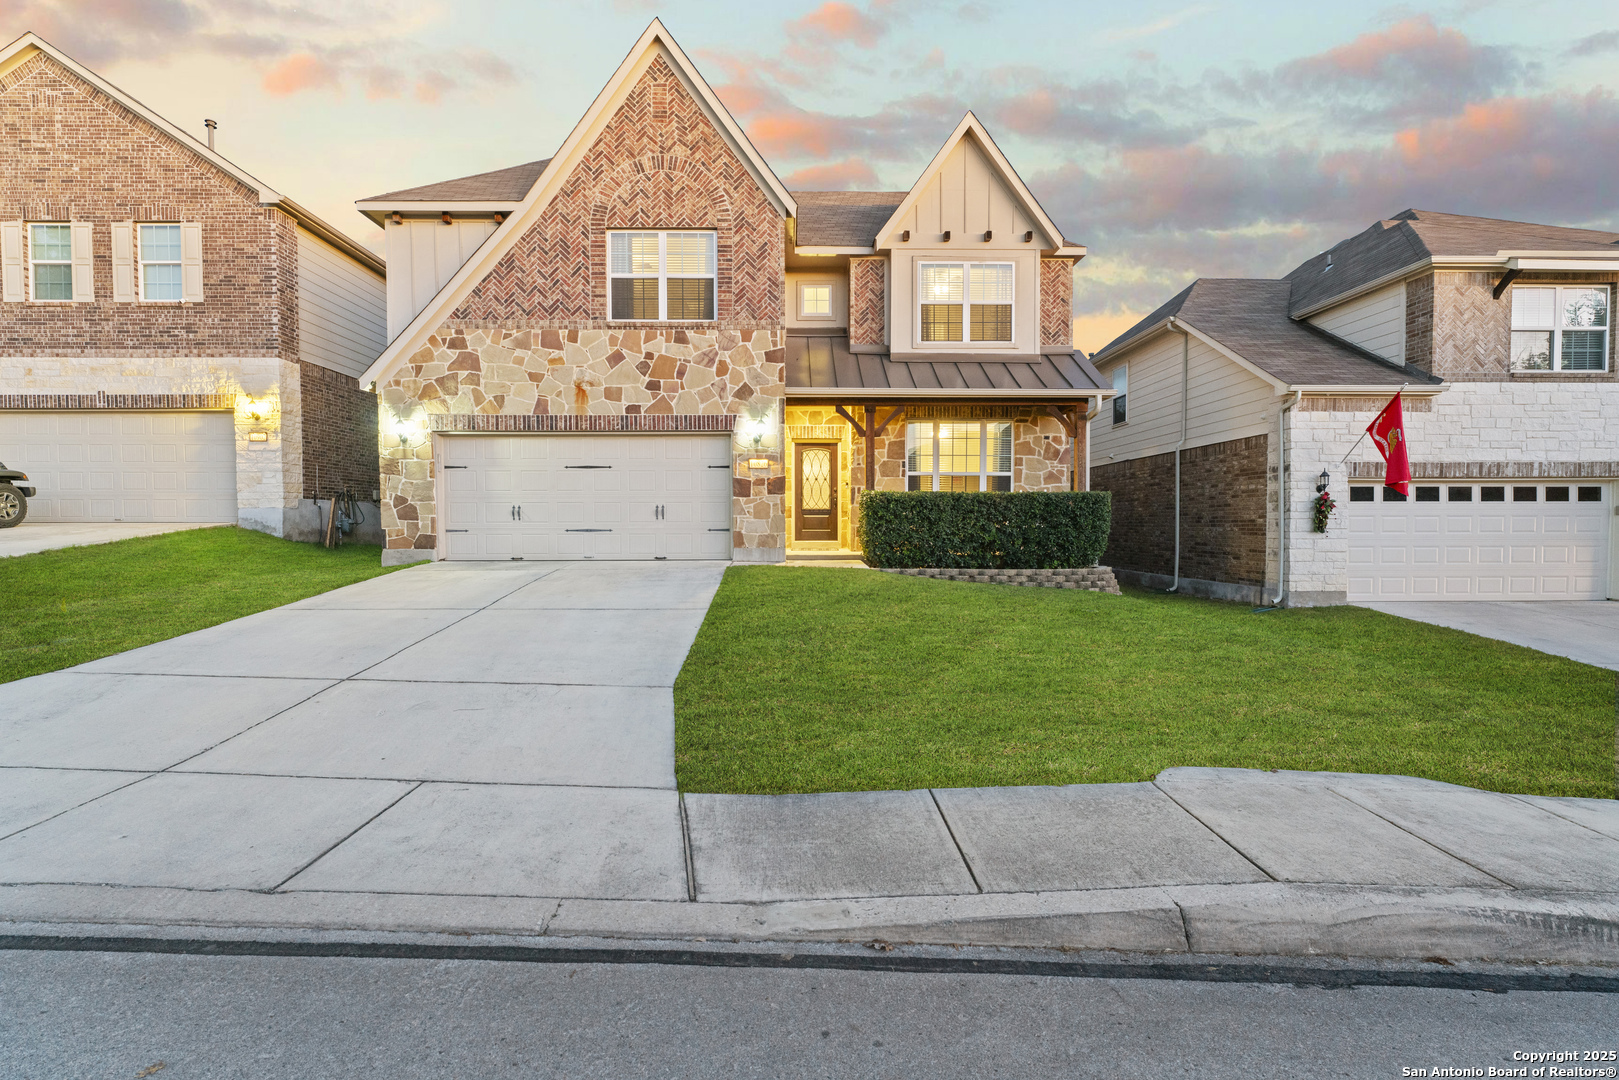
[(1500, 331), (178, 341), (646, 347)]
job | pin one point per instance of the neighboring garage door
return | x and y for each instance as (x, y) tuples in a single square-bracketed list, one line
[(124, 466), (587, 496), (1453, 540)]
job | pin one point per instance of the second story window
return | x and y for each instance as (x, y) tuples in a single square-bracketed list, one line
[(1559, 328), (1121, 390), (50, 257), (815, 301), (964, 302), (661, 276), (160, 262)]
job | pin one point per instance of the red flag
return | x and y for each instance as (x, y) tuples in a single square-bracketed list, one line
[(1388, 432)]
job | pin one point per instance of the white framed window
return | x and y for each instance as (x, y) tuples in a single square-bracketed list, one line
[(1121, 390), (1560, 328), (815, 300), (661, 276), (50, 261), (942, 455), (964, 302), (160, 258)]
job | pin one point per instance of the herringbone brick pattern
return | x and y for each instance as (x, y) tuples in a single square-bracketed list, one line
[(867, 302), (1056, 302), (1472, 330), (658, 163)]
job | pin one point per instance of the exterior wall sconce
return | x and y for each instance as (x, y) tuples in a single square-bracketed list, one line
[(409, 430), (1322, 481), (254, 409)]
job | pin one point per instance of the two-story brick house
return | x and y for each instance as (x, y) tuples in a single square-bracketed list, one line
[(1500, 333), (645, 346), (178, 340)]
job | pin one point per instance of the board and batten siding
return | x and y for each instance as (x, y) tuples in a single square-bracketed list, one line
[(1225, 402), (1375, 322), (341, 308), (422, 257)]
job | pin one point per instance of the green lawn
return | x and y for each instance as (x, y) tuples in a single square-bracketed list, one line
[(76, 604), (821, 679)]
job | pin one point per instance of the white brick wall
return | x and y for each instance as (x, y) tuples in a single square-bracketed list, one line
[(1470, 422)]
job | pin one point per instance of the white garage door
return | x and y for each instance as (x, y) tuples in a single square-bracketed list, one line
[(1454, 540), (124, 466), (587, 496)]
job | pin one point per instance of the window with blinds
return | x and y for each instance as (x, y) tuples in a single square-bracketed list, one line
[(661, 276), (1558, 328), (964, 302), (971, 456)]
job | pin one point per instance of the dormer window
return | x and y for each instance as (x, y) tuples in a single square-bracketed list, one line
[(661, 276), (958, 302)]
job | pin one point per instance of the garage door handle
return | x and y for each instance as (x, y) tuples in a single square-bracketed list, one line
[(719, 530), (711, 466), (587, 466), (453, 466), (517, 513), (587, 530)]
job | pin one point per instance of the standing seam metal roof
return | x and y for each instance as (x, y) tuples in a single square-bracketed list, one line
[(824, 362)]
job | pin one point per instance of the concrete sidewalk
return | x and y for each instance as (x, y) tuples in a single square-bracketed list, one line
[(490, 749)]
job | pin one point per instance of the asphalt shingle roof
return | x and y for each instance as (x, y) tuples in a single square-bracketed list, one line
[(1413, 235), (1249, 316), (502, 185), (844, 218)]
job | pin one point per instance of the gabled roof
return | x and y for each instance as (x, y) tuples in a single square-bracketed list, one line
[(844, 219), (823, 362), (1414, 238), (26, 46), (970, 127), (501, 185), (655, 41), (1247, 319)]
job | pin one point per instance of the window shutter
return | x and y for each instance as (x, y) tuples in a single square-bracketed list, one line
[(123, 262), (11, 275), (191, 262), (84, 264)]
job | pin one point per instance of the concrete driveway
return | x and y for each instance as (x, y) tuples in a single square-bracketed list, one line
[(503, 729), (32, 536), (1583, 630)]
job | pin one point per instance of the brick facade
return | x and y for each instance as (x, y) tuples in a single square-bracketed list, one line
[(1223, 512), (868, 301), (1057, 302), (1419, 323), (339, 434), (532, 338)]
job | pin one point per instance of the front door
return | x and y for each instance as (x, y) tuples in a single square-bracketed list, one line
[(816, 492)]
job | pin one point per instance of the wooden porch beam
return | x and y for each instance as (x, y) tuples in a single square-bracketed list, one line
[(1506, 279), (898, 412), (858, 430)]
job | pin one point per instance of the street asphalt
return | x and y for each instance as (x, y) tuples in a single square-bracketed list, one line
[(490, 747)]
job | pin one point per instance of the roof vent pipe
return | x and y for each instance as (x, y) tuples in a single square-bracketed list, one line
[(211, 125)]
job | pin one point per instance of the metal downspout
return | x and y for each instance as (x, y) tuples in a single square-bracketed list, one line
[(1281, 499), (1186, 367)]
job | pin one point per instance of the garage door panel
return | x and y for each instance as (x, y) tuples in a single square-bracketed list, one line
[(1528, 550), (590, 496), (127, 466)]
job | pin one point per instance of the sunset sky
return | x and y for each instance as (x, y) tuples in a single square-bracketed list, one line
[(1176, 139)]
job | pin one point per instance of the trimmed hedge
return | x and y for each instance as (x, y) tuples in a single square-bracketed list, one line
[(985, 530)]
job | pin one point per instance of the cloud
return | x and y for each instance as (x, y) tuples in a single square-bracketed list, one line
[(1156, 26), (835, 21), (298, 49), (1604, 41), (851, 174)]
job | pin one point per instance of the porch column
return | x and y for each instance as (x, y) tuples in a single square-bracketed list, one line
[(871, 447)]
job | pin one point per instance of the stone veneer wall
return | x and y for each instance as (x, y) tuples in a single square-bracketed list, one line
[(1222, 512), (533, 338), (1057, 302), (657, 373), (1458, 330), (868, 301)]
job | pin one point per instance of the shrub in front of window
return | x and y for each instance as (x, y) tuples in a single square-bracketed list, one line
[(985, 530)]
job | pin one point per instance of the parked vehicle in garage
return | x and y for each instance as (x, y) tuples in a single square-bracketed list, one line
[(15, 491)]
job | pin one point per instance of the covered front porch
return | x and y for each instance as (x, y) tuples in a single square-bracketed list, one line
[(854, 423)]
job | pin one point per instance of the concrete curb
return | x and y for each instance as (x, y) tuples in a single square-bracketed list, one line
[(1267, 919)]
